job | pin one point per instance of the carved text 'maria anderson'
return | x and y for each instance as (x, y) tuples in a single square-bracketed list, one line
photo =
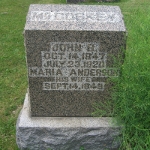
[(43, 72)]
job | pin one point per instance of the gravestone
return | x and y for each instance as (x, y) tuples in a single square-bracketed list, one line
[(71, 51), (75, 1)]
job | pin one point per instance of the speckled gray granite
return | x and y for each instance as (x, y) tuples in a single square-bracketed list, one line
[(72, 51), (74, 1), (65, 133), (75, 18)]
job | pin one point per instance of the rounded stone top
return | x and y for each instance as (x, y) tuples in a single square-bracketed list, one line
[(74, 17)]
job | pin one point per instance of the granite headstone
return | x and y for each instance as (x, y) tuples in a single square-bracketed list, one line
[(71, 51), (75, 1)]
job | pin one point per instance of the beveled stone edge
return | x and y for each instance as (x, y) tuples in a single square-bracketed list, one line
[(120, 28)]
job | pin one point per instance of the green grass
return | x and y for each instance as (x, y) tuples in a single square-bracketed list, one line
[(131, 95)]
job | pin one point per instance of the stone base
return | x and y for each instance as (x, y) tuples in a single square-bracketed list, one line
[(65, 133)]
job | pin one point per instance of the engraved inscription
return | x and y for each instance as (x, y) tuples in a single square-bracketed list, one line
[(73, 66), (74, 16), (46, 72), (73, 86)]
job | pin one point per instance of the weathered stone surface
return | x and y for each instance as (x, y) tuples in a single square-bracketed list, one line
[(65, 133), (74, 1), (72, 51)]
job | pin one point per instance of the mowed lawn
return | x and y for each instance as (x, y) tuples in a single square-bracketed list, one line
[(131, 95)]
